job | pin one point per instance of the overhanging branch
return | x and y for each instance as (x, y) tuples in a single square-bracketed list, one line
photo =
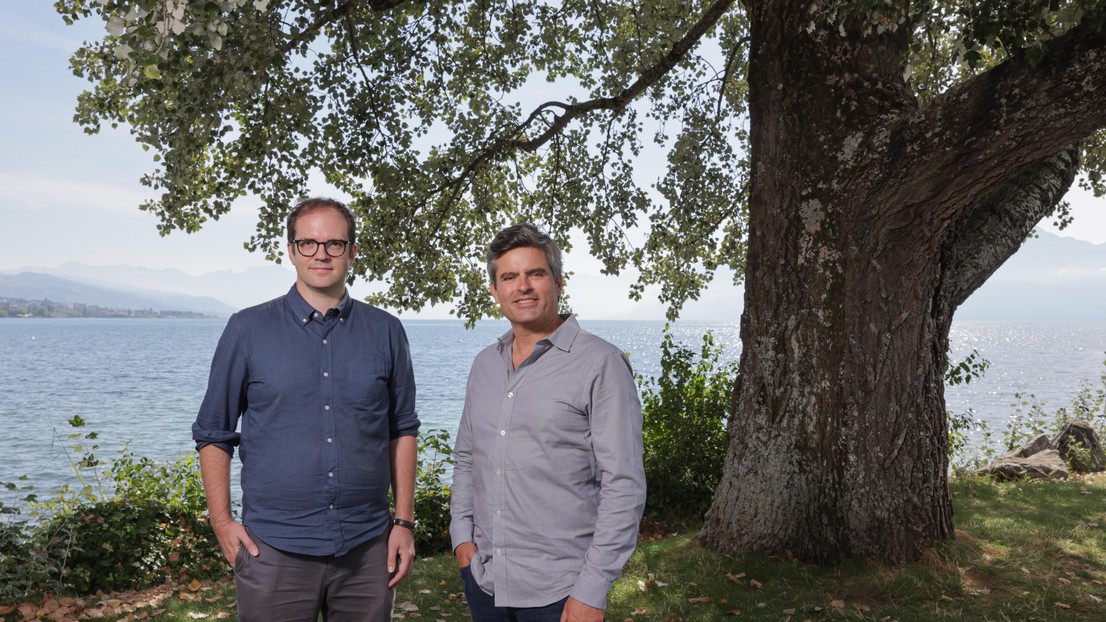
[(992, 129), (992, 231), (333, 15), (509, 141), (648, 78)]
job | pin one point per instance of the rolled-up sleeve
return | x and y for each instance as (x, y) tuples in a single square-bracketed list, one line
[(617, 444), (403, 418), (225, 400)]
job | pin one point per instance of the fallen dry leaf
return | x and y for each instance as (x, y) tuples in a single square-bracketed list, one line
[(862, 607), (699, 599), (837, 604), (756, 584), (1063, 605), (789, 612), (734, 612), (196, 616), (639, 612), (736, 578)]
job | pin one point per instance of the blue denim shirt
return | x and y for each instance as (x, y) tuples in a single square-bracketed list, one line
[(319, 398)]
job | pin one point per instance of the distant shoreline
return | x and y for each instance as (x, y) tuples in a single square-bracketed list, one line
[(22, 309)]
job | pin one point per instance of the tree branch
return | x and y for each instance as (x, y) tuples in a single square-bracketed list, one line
[(990, 130), (508, 141), (1003, 220), (648, 78), (333, 15)]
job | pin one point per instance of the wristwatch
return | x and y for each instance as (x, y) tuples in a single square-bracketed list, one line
[(404, 523)]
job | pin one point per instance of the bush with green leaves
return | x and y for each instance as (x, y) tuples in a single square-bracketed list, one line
[(1030, 418), (133, 525), (23, 568), (151, 528), (432, 492), (685, 411), (962, 456)]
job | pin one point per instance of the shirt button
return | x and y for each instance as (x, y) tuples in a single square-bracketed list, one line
[(330, 507), (326, 374), (510, 394), (330, 474), (326, 407), (503, 432), (499, 551), (329, 440), (304, 320), (498, 472), (499, 512)]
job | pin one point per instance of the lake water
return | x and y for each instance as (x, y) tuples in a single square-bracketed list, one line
[(141, 380)]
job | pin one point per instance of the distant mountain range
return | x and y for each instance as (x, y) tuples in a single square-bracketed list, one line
[(1050, 278), (39, 286)]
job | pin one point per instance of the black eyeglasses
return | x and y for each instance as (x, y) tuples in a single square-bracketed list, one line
[(308, 248)]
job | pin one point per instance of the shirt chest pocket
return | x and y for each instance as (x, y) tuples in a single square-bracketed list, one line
[(363, 380)]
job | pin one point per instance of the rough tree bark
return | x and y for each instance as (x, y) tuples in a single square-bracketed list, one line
[(871, 220)]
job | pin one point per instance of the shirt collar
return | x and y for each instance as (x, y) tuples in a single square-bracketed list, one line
[(305, 312), (561, 338)]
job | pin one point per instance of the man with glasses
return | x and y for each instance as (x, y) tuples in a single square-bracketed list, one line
[(323, 388)]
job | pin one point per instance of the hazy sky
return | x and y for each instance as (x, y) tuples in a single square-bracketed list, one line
[(73, 197)]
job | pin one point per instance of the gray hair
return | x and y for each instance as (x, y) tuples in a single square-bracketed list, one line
[(524, 235)]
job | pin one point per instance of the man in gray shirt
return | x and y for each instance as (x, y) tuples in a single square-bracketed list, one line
[(548, 486)]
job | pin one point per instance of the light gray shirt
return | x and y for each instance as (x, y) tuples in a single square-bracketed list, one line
[(549, 482)]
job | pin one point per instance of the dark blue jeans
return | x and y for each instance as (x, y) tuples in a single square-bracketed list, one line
[(482, 607)]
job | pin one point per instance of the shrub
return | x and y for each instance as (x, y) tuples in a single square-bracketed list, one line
[(432, 492), (150, 529), (1031, 418), (961, 456), (685, 411)]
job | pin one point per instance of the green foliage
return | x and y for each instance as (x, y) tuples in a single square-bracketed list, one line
[(432, 492), (434, 119), (117, 544), (962, 425), (424, 114), (1022, 27), (1031, 417), (685, 411), (136, 524)]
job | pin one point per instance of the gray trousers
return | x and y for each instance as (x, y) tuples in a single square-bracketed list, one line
[(285, 587)]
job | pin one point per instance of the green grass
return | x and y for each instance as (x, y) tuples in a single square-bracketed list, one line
[(1023, 551)]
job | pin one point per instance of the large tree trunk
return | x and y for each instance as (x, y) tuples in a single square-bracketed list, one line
[(871, 220)]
